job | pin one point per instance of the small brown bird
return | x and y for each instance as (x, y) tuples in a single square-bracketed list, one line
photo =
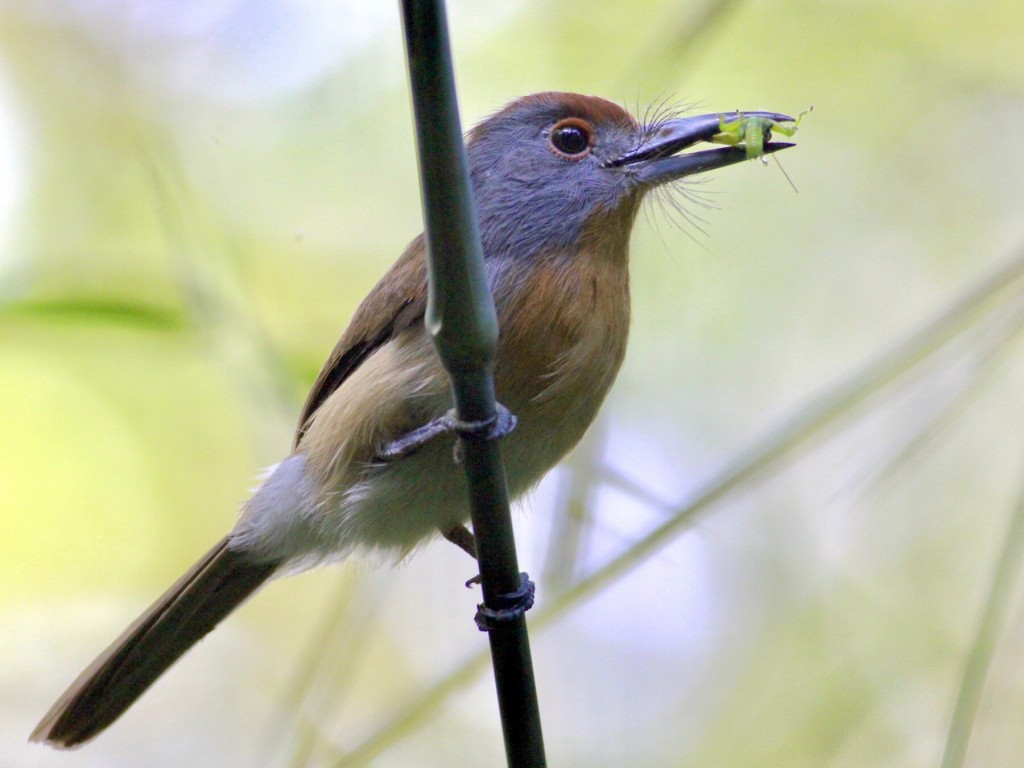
[(557, 180)]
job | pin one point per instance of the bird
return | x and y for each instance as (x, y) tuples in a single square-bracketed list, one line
[(557, 180)]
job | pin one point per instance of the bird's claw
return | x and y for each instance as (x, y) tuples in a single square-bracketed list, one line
[(500, 424)]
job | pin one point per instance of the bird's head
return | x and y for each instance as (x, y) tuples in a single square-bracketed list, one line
[(551, 170)]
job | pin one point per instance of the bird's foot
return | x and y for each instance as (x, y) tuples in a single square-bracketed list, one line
[(500, 424), (510, 606)]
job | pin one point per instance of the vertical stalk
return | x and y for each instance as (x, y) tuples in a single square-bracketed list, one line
[(462, 320)]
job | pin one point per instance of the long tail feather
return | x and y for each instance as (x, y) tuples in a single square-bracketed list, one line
[(186, 612)]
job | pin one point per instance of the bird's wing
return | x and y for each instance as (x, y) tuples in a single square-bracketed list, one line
[(396, 302)]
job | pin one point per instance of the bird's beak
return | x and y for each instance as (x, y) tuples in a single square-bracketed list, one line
[(655, 160)]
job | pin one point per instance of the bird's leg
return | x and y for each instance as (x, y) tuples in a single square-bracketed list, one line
[(503, 422), (461, 537), (411, 442)]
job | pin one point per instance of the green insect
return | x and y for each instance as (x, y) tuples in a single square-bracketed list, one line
[(753, 132)]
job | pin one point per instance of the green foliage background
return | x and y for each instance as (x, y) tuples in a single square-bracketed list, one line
[(195, 196)]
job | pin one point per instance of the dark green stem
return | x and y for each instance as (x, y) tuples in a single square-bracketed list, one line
[(462, 320)]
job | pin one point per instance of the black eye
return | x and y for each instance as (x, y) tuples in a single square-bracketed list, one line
[(571, 138)]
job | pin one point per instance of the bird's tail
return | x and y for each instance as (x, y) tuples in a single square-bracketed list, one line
[(186, 612)]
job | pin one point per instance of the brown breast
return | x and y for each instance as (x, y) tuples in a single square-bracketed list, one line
[(563, 337)]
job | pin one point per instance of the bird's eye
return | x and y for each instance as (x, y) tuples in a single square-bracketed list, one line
[(571, 138)]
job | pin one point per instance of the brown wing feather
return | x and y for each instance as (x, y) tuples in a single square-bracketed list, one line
[(396, 302)]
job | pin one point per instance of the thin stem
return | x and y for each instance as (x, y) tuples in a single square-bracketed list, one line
[(990, 626), (462, 320)]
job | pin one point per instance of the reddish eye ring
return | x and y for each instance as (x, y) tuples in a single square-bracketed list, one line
[(571, 138)]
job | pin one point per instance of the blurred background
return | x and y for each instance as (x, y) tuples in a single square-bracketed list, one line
[(794, 536)]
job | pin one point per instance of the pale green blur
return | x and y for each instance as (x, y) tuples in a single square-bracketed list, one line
[(195, 196)]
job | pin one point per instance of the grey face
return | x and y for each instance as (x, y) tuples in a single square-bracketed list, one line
[(549, 166), (540, 172)]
